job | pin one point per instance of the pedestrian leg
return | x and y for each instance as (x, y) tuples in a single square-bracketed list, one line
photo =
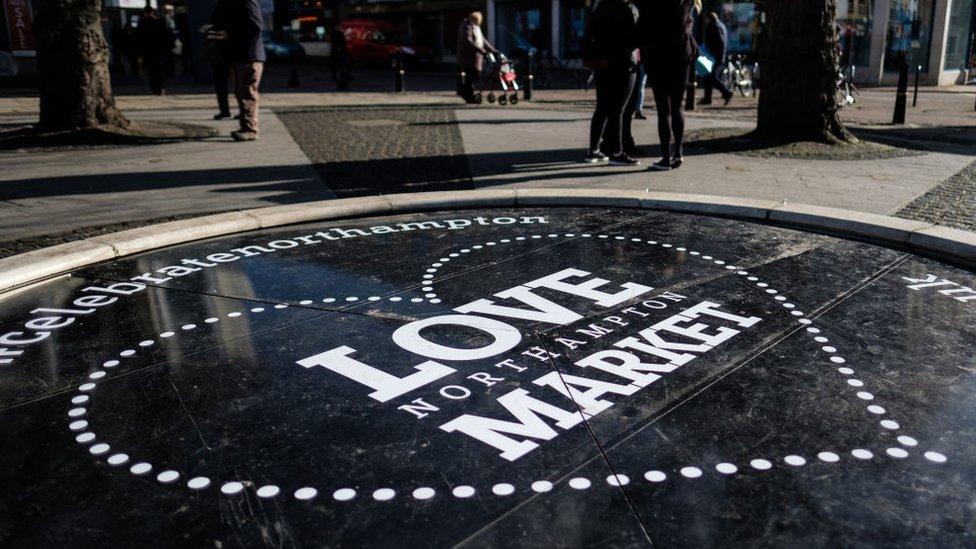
[(714, 79), (677, 125), (662, 102), (627, 121), (598, 123), (221, 75), (621, 86), (236, 73), (250, 81)]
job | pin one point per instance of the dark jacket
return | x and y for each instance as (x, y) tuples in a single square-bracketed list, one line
[(154, 40), (717, 40), (613, 32), (669, 49), (242, 21), (468, 54)]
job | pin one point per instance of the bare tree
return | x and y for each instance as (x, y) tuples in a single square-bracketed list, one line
[(72, 58), (798, 59)]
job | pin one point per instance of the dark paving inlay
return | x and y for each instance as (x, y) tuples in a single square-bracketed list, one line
[(505, 377)]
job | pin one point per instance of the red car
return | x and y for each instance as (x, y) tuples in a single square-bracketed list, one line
[(378, 42)]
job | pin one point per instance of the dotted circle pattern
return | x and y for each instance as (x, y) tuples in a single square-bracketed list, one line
[(78, 409)]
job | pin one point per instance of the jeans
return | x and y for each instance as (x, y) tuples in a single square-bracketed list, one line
[(613, 89), (638, 97)]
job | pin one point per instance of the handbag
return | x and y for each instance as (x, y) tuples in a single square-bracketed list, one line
[(704, 64)]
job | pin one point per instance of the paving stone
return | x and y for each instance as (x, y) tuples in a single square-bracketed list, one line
[(951, 203), (360, 152)]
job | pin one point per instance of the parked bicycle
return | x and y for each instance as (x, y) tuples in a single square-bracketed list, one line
[(737, 76), (846, 90), (545, 67)]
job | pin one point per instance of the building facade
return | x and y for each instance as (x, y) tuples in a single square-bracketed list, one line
[(876, 35)]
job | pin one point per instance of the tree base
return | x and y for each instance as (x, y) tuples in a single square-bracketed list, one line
[(136, 133), (751, 143)]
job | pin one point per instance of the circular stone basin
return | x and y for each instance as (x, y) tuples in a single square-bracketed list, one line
[(518, 377)]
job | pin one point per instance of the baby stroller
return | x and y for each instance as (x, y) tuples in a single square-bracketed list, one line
[(501, 71)]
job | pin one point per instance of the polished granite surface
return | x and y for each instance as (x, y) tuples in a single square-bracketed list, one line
[(542, 377)]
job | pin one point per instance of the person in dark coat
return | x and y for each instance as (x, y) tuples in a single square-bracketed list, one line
[(154, 41), (216, 53), (242, 27), (669, 53), (717, 42), (472, 47), (339, 59), (611, 43)]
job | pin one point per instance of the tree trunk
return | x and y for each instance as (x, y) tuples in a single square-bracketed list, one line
[(798, 71), (72, 60)]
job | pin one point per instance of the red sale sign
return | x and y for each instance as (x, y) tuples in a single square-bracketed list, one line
[(20, 27)]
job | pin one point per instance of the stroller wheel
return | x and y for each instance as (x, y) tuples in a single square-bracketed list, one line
[(503, 99), (491, 97), (477, 98), (513, 99)]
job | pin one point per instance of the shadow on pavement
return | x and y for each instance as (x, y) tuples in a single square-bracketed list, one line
[(946, 139), (293, 182)]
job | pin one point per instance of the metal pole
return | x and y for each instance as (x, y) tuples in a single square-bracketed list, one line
[(527, 92), (901, 96), (918, 73), (460, 81), (398, 80), (690, 96)]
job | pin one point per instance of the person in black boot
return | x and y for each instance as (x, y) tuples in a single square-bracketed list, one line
[(668, 57), (609, 46)]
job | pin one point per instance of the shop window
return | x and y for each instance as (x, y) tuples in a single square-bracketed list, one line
[(958, 42), (521, 25), (575, 14), (742, 20), (909, 33), (854, 29)]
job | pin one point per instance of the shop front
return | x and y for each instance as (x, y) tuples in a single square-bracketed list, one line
[(876, 36)]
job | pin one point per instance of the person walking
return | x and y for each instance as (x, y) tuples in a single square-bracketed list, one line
[(472, 47), (245, 55), (717, 42), (668, 55), (154, 41), (339, 60), (216, 54), (609, 48)]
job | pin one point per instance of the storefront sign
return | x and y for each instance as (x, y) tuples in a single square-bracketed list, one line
[(20, 27)]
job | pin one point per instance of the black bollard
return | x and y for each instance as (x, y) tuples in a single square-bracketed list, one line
[(398, 82), (460, 82), (527, 92), (690, 97), (901, 97), (918, 74)]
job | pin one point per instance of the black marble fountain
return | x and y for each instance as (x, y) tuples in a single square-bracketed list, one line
[(510, 377)]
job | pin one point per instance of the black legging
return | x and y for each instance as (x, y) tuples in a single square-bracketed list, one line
[(670, 119), (613, 88)]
